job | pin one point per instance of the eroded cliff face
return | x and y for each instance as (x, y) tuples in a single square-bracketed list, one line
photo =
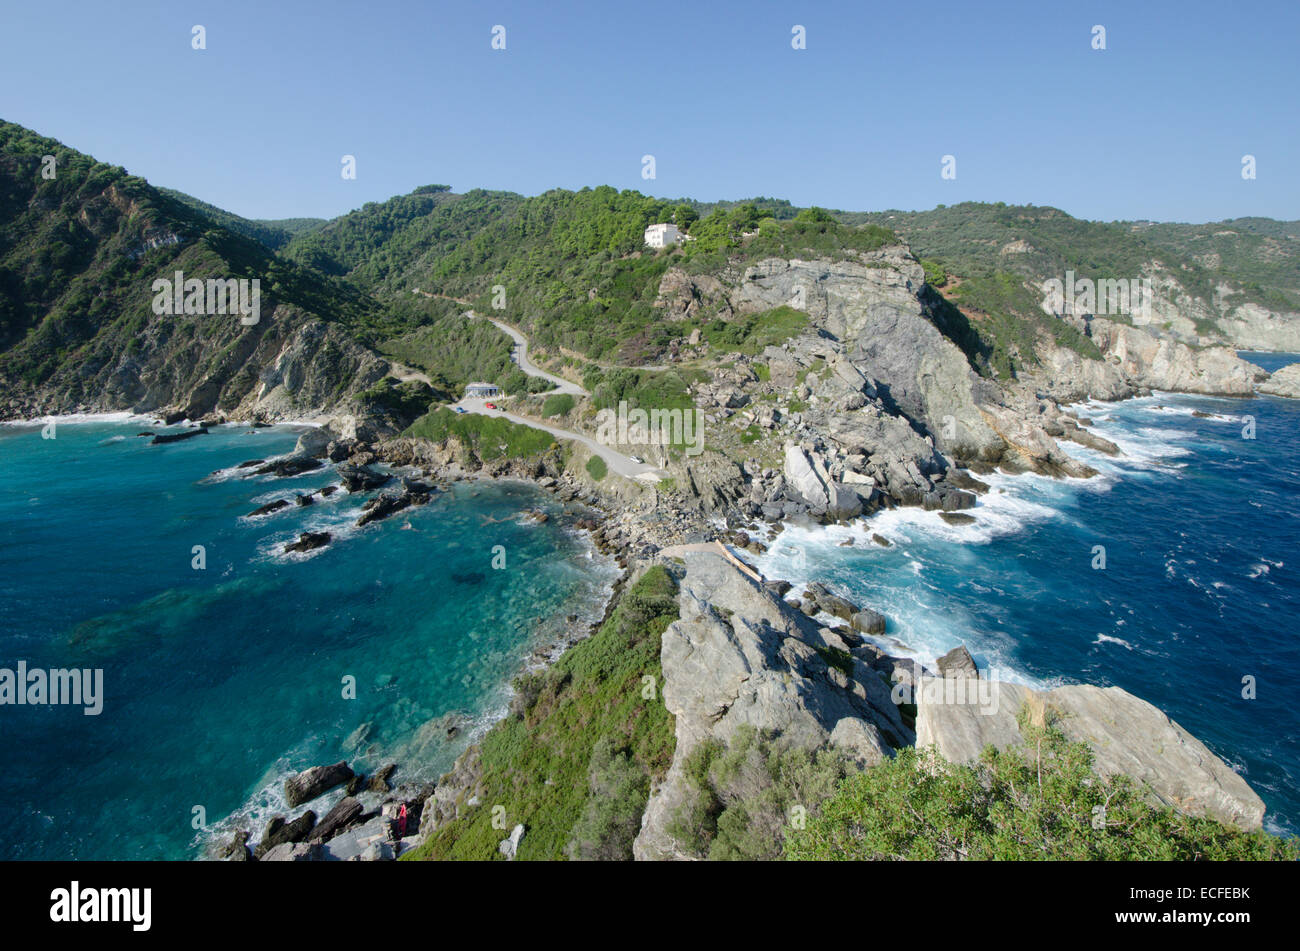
[(287, 366), (741, 656), (1156, 362), (874, 310), (1255, 327)]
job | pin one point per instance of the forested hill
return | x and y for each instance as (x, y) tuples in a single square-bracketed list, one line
[(79, 251), (573, 263), (273, 233), (1251, 260)]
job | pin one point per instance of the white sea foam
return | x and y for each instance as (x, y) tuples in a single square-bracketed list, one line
[(1107, 639)]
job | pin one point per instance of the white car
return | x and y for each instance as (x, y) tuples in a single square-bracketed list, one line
[(638, 460)]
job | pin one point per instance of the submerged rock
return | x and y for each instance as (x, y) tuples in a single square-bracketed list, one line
[(289, 466), (268, 508), (162, 438), (362, 478), (309, 541)]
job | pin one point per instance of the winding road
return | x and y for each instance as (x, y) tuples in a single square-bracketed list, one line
[(618, 463)]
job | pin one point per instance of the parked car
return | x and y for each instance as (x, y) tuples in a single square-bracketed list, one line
[(490, 405), (460, 409), (637, 459)]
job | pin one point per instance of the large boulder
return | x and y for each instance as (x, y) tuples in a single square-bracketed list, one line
[(344, 813), (1126, 734), (278, 832), (957, 663), (307, 785)]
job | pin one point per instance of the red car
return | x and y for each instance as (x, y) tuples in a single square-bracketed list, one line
[(490, 405)]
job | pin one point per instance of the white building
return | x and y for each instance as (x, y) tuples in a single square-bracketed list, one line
[(481, 391), (662, 235)]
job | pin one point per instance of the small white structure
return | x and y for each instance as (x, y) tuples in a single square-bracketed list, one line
[(481, 391), (662, 235)]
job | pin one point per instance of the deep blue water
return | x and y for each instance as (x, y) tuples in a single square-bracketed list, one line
[(220, 681), (1202, 542)]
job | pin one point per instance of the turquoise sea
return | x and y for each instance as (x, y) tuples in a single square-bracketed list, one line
[(219, 681)]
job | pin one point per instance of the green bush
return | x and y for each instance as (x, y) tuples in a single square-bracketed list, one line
[(1040, 802), (491, 437), (596, 468), (575, 759), (557, 405), (753, 333), (744, 794)]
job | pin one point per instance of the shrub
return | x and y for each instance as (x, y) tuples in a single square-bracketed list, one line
[(557, 405), (1040, 802), (575, 759), (596, 468), (744, 794)]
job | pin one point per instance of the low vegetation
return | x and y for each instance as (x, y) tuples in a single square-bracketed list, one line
[(575, 759), (491, 437), (559, 404), (752, 334), (746, 793), (596, 468), (1043, 801)]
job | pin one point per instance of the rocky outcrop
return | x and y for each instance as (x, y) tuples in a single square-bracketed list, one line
[(308, 541), (1126, 734), (873, 308), (808, 478), (1285, 382), (957, 663), (740, 656), (509, 846), (307, 785), (1163, 363)]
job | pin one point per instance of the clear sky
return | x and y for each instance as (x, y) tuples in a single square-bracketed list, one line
[(1155, 126)]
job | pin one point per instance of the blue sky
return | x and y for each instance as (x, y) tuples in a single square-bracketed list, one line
[(1155, 126)]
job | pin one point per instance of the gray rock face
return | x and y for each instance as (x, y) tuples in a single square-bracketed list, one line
[(807, 476), (294, 852), (1285, 382), (739, 655), (876, 312), (1163, 363), (1127, 735)]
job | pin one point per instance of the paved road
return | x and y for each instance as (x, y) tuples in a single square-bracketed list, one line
[(616, 461), (521, 358)]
